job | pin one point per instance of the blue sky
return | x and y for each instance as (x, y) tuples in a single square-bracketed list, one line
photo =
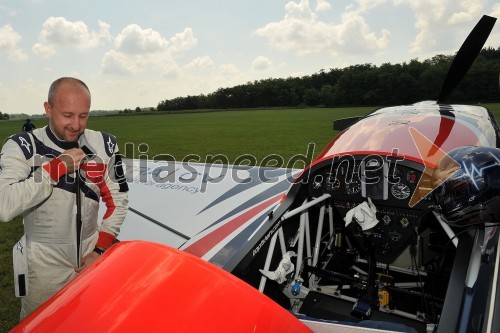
[(137, 53)]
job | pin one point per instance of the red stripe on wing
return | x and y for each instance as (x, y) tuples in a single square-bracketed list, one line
[(205, 244)]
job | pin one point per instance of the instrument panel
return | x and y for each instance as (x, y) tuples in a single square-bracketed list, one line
[(390, 186), (355, 180)]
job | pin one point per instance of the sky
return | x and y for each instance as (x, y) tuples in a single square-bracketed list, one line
[(139, 53)]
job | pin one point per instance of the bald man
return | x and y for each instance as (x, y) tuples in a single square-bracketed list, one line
[(55, 178)]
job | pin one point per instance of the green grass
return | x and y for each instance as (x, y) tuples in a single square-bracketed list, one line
[(10, 306), (285, 132), (259, 132)]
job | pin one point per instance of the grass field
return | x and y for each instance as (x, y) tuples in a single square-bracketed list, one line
[(285, 132), (259, 132)]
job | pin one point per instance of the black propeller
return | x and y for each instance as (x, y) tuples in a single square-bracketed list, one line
[(466, 56)]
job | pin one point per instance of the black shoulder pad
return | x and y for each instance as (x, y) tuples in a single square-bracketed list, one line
[(109, 143), (25, 143)]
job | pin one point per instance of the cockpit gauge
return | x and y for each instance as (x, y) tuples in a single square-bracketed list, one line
[(412, 177), (317, 182), (332, 182), (353, 187), (400, 191)]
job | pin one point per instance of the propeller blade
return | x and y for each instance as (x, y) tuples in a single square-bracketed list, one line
[(466, 55)]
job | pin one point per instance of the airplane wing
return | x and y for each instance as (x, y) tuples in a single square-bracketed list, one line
[(195, 205)]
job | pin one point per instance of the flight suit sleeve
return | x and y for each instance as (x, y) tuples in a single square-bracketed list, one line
[(24, 183)]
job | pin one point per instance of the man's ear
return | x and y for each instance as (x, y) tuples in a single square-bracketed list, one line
[(47, 108)]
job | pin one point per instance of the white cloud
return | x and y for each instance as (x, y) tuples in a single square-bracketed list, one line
[(171, 72), (9, 39), (104, 34), (494, 39), (59, 32), (439, 21), (183, 41), (460, 17), (135, 40), (355, 35), (302, 32), (117, 63), (322, 5), (201, 62), (496, 11), (300, 11), (261, 63), (9, 11), (227, 69), (366, 5), (467, 12), (141, 50)]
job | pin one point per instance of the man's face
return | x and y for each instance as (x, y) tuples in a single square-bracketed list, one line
[(70, 112)]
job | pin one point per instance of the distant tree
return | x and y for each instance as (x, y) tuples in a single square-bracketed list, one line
[(311, 97), (326, 95), (138, 109)]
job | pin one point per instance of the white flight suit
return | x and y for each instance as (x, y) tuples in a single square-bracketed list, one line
[(33, 184)]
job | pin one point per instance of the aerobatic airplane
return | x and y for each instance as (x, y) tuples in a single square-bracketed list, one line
[(356, 241)]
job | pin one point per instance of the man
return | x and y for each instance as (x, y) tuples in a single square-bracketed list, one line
[(28, 126), (55, 177)]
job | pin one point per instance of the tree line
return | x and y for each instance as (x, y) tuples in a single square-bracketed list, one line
[(4, 116), (359, 85)]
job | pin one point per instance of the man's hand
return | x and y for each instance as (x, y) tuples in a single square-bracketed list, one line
[(87, 261), (73, 158)]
